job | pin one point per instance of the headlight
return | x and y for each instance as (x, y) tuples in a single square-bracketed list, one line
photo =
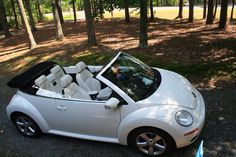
[(184, 118)]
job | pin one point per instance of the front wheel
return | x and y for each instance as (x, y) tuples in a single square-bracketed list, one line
[(26, 125), (152, 142)]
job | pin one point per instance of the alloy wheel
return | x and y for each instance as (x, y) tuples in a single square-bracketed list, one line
[(151, 143), (25, 125)]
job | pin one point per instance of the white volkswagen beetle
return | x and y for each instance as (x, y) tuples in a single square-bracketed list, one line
[(125, 102)]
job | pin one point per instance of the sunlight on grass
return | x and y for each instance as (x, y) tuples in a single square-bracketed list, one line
[(160, 12)]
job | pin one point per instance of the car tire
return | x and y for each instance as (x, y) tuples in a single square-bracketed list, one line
[(151, 142), (26, 125)]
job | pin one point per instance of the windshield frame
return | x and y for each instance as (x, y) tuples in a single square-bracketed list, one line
[(124, 95)]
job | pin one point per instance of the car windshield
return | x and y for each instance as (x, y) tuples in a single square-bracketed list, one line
[(135, 78)]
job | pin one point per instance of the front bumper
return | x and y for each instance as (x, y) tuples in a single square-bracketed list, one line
[(193, 132)]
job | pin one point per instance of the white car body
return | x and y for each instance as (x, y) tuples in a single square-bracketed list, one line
[(89, 119)]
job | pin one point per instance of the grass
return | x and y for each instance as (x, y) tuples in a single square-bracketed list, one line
[(159, 12)]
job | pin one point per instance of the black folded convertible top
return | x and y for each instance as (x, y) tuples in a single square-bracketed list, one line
[(34, 72)]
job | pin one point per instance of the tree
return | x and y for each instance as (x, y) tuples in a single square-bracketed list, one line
[(40, 12), (127, 17), (204, 8), (3, 10), (191, 11), (74, 10), (14, 12), (3, 21), (210, 17), (101, 9), (25, 21), (232, 11), (143, 43), (180, 9), (216, 4), (223, 14), (31, 18), (89, 23), (151, 10), (59, 9), (59, 31)]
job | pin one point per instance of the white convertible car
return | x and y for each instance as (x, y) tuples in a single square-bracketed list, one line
[(125, 102)]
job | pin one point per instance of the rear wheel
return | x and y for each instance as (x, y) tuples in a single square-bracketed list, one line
[(26, 125), (151, 141)]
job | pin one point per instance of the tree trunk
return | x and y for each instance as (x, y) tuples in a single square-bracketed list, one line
[(223, 14), (31, 18), (143, 43), (74, 10), (14, 12), (210, 18), (101, 10), (40, 13), (127, 17), (151, 10), (25, 21), (4, 11), (191, 11), (204, 9), (215, 11), (59, 31), (89, 23), (3, 21), (180, 9), (232, 11), (59, 9)]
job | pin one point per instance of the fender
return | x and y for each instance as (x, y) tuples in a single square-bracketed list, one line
[(154, 116), (20, 104)]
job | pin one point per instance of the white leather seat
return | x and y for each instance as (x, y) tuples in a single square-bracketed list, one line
[(42, 82), (58, 72), (72, 90), (54, 84), (85, 79)]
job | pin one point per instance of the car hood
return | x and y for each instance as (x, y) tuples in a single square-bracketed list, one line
[(173, 90)]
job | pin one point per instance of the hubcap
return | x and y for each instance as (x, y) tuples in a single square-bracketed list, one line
[(151, 143), (25, 126)]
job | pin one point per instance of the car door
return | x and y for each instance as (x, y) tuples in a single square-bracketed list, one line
[(46, 107), (87, 118)]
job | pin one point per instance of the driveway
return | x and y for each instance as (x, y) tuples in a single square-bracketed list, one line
[(219, 133)]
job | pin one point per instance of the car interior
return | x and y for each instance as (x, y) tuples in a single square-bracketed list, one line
[(78, 85)]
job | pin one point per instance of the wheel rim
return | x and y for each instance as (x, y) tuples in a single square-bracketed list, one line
[(151, 143), (25, 125)]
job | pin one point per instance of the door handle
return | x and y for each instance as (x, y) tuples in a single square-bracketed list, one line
[(61, 108)]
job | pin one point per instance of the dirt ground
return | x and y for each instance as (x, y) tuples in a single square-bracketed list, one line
[(177, 43)]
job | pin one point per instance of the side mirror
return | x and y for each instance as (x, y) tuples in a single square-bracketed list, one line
[(112, 103)]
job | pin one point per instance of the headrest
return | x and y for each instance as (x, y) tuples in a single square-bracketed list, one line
[(65, 81), (80, 67), (40, 81), (51, 77), (56, 69)]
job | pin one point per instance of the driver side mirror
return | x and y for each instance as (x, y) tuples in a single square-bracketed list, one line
[(112, 103)]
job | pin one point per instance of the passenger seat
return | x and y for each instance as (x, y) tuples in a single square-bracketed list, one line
[(54, 84), (42, 82), (72, 90), (85, 79), (58, 72)]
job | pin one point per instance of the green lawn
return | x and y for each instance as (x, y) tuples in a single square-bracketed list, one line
[(160, 12)]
